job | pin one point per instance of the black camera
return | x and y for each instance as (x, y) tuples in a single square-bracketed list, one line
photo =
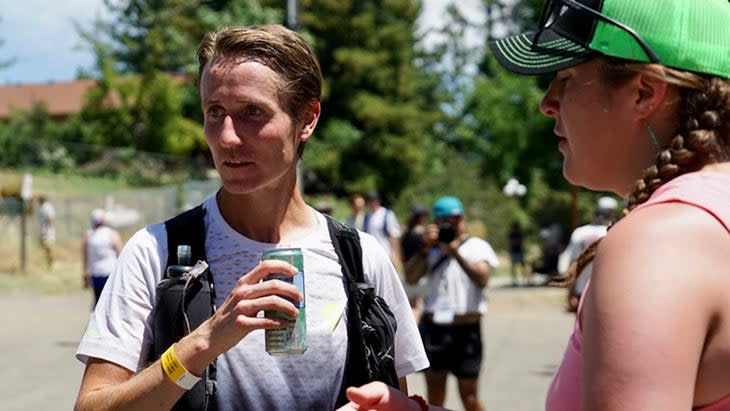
[(447, 233)]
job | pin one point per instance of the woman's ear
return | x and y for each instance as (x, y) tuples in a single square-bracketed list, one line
[(651, 94), (310, 119)]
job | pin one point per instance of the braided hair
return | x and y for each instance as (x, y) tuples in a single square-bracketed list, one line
[(703, 136)]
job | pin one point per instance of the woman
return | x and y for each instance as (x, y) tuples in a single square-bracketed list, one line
[(641, 103), (100, 249)]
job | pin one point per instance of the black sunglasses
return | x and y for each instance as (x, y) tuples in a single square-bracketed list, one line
[(553, 10)]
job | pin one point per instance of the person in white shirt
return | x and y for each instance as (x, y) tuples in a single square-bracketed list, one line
[(458, 267), (382, 223), (580, 239), (47, 228), (99, 250)]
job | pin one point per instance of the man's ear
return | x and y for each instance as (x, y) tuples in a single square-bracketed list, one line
[(651, 94), (310, 119)]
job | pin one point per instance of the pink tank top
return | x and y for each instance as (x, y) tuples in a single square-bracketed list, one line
[(707, 190)]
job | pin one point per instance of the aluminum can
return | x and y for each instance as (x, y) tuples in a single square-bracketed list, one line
[(293, 338)]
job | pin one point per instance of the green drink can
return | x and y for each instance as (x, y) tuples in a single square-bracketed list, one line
[(293, 338)]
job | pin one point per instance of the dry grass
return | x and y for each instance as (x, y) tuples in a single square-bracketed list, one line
[(64, 276)]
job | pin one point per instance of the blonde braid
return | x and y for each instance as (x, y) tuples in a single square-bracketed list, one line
[(702, 139)]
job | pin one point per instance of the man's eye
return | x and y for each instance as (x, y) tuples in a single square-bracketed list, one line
[(253, 111), (215, 112)]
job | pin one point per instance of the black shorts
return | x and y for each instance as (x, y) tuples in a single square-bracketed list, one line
[(455, 348)]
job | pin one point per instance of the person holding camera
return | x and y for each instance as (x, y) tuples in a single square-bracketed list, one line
[(458, 268)]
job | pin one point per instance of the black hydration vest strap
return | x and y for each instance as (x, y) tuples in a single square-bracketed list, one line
[(346, 242), (188, 228)]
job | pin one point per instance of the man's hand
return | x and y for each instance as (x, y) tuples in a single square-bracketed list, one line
[(238, 315)]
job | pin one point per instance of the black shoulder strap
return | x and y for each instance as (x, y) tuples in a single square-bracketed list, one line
[(186, 228), (346, 241), (445, 257), (196, 301), (362, 302)]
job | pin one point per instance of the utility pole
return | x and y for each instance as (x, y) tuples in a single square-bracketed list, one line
[(26, 190), (291, 23), (291, 14)]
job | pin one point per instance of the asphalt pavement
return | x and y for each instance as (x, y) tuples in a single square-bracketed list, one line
[(525, 332)]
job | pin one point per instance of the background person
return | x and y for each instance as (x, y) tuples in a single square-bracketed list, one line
[(580, 239), (382, 223), (99, 251), (357, 211), (515, 242), (458, 268), (47, 228), (411, 242), (260, 91), (641, 103)]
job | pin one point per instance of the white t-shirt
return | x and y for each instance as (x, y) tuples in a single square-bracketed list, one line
[(383, 224), (248, 377), (100, 252), (448, 279), (580, 239)]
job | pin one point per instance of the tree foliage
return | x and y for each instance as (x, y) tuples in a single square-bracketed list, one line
[(378, 109), (408, 118)]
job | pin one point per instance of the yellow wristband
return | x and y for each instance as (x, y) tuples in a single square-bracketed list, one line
[(175, 371)]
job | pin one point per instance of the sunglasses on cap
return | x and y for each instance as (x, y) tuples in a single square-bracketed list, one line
[(556, 15)]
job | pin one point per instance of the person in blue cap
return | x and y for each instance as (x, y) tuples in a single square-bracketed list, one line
[(457, 267)]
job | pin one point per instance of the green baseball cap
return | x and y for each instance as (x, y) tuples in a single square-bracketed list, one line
[(691, 35)]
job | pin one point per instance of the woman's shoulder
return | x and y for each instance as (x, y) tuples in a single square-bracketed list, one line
[(665, 249)]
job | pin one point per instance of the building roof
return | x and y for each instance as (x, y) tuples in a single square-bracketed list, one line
[(61, 98)]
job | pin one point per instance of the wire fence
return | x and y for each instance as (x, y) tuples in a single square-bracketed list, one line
[(127, 210)]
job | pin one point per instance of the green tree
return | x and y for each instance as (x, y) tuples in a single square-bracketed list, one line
[(377, 121), (504, 124), (31, 139)]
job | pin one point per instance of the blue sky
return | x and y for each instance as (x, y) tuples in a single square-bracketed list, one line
[(40, 35)]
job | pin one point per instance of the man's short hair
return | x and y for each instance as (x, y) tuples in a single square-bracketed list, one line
[(282, 50)]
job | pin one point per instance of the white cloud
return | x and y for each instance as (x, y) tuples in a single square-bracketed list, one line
[(40, 35)]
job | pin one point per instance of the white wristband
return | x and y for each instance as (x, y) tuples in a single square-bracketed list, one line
[(176, 372)]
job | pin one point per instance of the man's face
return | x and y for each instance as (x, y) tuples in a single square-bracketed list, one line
[(252, 137)]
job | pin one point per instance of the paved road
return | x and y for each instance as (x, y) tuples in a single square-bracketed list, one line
[(525, 333)]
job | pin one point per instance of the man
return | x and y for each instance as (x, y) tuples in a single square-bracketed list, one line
[(47, 228), (260, 91), (382, 223), (458, 269), (357, 211)]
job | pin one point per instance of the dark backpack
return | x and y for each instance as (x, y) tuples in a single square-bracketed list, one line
[(183, 303), (368, 318)]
